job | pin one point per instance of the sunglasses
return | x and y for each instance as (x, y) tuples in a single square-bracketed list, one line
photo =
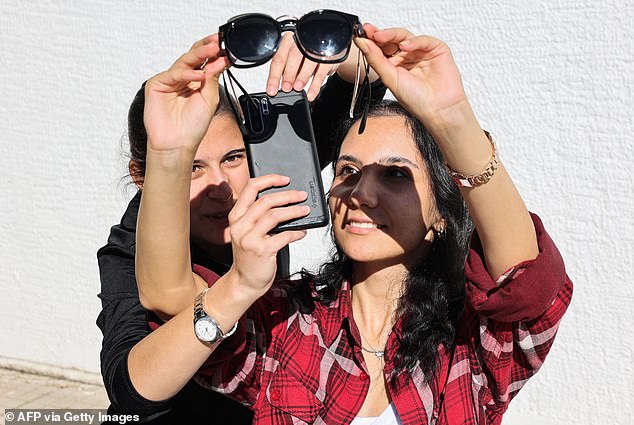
[(323, 36)]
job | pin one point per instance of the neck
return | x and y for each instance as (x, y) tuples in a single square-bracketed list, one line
[(219, 253), (375, 295)]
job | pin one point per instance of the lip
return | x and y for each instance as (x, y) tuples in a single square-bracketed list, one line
[(362, 226)]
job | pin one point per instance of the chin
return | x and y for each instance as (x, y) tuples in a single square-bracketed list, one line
[(213, 238)]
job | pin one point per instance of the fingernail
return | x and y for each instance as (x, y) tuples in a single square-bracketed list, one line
[(404, 43), (286, 86), (363, 45), (271, 89), (303, 193), (298, 85), (306, 209)]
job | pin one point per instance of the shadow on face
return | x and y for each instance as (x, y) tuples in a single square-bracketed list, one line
[(381, 201)]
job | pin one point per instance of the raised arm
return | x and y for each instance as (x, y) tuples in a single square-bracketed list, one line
[(180, 103), (425, 79)]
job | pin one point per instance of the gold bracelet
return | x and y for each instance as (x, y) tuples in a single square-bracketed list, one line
[(477, 179)]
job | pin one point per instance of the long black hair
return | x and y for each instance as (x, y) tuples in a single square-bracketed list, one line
[(433, 295)]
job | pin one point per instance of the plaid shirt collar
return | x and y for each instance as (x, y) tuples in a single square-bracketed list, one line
[(331, 319)]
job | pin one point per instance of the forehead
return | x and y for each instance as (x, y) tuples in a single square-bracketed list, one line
[(384, 137), (223, 135)]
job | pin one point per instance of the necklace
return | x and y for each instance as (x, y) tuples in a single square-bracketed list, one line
[(378, 353)]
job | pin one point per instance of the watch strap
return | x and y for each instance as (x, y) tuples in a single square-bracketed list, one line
[(200, 312)]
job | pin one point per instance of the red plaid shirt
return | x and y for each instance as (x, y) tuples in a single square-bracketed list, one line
[(295, 368)]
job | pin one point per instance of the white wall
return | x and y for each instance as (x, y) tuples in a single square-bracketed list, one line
[(551, 79)]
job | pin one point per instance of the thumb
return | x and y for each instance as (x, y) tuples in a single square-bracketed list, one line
[(388, 73)]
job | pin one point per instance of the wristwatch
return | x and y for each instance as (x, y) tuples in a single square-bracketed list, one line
[(205, 327)]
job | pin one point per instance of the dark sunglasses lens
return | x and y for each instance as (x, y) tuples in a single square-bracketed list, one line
[(325, 35), (253, 39)]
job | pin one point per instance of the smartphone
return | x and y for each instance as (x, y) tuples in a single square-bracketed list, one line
[(279, 139)]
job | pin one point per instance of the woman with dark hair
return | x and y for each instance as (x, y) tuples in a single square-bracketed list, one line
[(412, 321), (217, 175)]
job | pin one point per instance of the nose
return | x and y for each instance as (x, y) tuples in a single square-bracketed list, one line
[(218, 188), (364, 192)]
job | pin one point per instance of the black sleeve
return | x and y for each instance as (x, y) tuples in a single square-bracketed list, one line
[(330, 108), (123, 322)]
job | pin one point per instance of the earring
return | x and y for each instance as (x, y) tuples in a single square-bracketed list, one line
[(440, 233)]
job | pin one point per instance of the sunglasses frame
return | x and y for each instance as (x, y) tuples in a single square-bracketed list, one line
[(284, 24), (289, 23)]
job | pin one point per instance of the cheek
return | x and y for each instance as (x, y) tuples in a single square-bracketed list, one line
[(195, 192), (238, 179)]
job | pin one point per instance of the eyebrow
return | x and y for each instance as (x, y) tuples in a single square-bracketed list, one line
[(390, 160), (235, 151), (231, 152)]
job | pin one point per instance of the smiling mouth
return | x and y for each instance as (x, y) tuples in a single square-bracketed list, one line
[(364, 225)]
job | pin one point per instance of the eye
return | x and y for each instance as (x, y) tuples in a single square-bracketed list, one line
[(233, 160), (345, 170), (397, 172), (197, 169)]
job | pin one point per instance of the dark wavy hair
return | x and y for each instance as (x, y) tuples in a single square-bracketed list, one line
[(137, 136), (433, 296)]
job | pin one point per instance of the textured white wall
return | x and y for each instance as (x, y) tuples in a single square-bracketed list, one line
[(551, 79)]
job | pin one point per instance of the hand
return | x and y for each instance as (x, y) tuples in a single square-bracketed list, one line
[(421, 73), (289, 65), (251, 221), (180, 102)]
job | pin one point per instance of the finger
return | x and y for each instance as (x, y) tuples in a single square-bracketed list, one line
[(206, 40), (391, 36), (389, 39), (280, 240), (369, 29), (323, 70), (293, 64), (197, 55), (424, 44), (278, 62), (215, 67), (377, 60), (275, 216), (250, 193), (306, 71), (174, 79), (268, 203)]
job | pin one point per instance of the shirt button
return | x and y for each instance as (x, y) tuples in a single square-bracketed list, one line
[(275, 395), (363, 376)]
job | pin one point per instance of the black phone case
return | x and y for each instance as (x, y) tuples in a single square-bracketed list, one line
[(279, 139)]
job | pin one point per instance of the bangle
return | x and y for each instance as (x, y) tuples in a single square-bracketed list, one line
[(478, 179)]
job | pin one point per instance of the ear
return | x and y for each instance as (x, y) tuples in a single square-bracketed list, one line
[(435, 230), (136, 173), (440, 225)]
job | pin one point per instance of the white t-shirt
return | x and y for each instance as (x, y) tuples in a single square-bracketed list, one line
[(388, 417)]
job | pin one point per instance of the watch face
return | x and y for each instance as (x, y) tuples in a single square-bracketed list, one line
[(205, 329)]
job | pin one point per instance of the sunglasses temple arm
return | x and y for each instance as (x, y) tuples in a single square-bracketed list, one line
[(367, 92), (237, 112), (356, 85)]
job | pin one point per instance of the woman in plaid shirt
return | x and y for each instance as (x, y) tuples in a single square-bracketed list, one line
[(387, 332)]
